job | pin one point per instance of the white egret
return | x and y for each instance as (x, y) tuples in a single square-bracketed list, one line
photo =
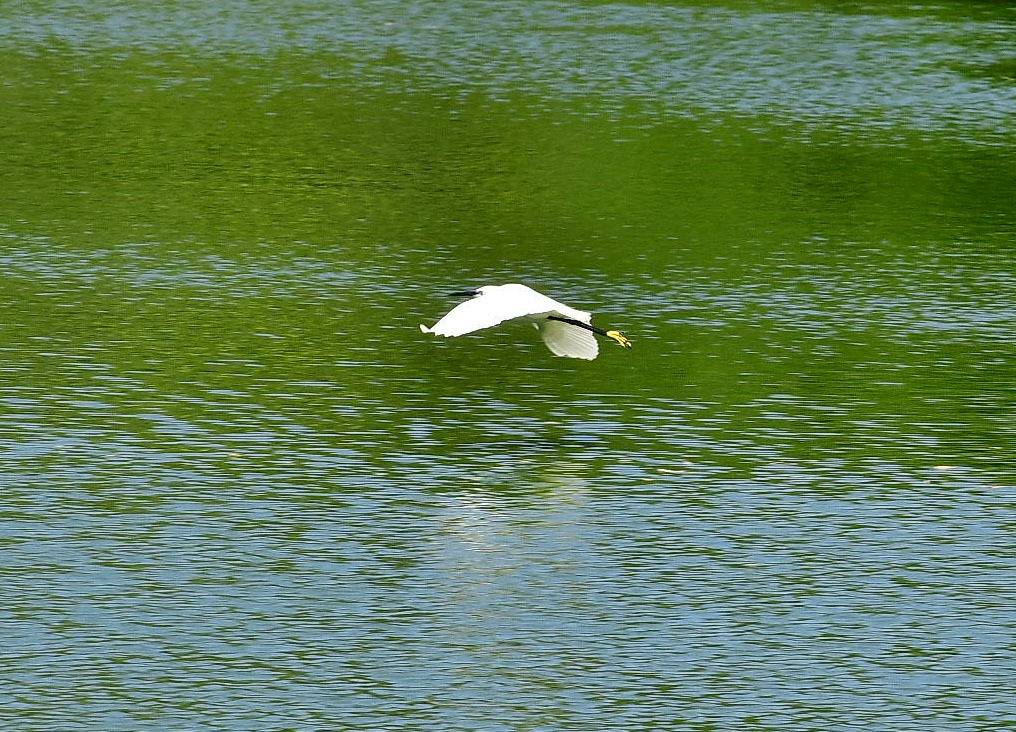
[(566, 331)]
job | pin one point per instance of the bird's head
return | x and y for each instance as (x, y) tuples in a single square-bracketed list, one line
[(619, 337)]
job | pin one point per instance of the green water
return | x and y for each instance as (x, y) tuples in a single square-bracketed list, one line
[(240, 490)]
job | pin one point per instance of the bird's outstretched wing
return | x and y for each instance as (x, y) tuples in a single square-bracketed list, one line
[(494, 306), (564, 339)]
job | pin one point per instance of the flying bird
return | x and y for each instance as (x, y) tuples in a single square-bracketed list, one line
[(566, 331)]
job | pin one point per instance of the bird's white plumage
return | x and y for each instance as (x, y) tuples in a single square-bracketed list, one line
[(497, 303), (567, 340)]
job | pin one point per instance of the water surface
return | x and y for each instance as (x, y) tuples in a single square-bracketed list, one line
[(241, 491)]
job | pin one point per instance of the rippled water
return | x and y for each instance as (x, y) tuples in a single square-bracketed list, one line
[(928, 67), (241, 491)]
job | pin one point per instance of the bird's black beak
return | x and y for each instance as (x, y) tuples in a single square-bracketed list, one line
[(463, 293)]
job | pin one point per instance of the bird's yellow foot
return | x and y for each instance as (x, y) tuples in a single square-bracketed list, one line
[(619, 337)]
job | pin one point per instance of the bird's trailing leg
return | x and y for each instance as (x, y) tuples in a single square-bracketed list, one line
[(614, 335), (619, 337)]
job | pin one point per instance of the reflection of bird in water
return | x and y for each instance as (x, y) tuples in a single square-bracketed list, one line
[(566, 331)]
